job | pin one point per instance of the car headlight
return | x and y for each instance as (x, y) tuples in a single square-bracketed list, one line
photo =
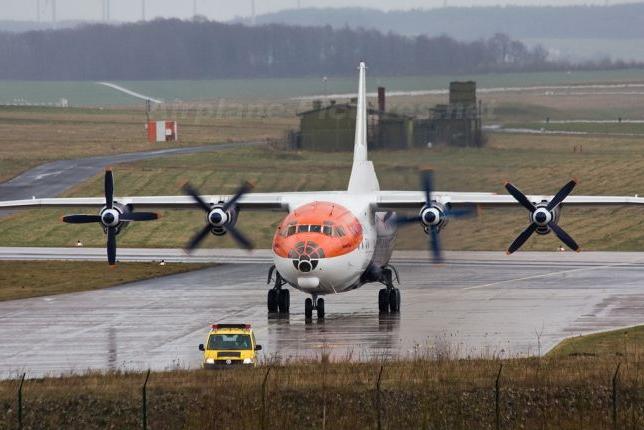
[(210, 360), (248, 361)]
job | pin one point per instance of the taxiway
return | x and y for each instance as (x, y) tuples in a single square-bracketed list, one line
[(477, 304)]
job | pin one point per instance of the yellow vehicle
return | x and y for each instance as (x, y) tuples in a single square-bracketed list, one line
[(229, 345)]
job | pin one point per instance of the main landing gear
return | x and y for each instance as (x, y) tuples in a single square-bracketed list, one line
[(308, 307), (389, 297), (279, 299)]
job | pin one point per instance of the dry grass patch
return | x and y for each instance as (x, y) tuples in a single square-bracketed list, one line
[(29, 137), (566, 393)]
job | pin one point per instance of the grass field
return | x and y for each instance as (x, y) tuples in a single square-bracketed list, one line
[(91, 94), (22, 279), (31, 136), (537, 164), (627, 344), (561, 391)]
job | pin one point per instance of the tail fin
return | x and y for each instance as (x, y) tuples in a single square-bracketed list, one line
[(363, 176)]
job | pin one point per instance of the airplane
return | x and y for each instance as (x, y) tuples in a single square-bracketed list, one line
[(332, 242)]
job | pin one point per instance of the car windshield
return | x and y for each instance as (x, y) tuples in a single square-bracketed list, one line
[(229, 341)]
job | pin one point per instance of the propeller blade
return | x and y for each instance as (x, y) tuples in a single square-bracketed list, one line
[(239, 237), (81, 219), (427, 184), (404, 220), (466, 212), (564, 237), (521, 239), (245, 188), (188, 189), (435, 245), (139, 216), (561, 195), (520, 197), (197, 238), (111, 246), (109, 189)]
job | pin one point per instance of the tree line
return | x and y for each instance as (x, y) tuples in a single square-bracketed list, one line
[(200, 49), (619, 21)]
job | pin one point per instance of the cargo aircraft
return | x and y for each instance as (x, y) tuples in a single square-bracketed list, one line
[(331, 242)]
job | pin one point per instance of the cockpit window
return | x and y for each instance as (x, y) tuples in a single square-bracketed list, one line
[(291, 230), (339, 231), (302, 228), (316, 229), (327, 230)]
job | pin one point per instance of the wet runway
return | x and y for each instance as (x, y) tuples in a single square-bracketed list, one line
[(476, 304)]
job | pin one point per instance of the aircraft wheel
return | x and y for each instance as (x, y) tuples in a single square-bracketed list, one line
[(320, 309), (272, 301), (394, 300), (383, 301), (308, 309), (284, 301)]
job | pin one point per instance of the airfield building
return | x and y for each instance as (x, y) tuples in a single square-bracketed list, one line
[(331, 127)]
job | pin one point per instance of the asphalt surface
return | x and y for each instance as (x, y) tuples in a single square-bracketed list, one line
[(477, 304), (52, 179)]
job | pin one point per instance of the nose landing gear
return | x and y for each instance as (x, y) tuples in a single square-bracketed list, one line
[(308, 308)]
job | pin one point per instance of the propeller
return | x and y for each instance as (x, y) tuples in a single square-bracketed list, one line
[(433, 216), (110, 217), (543, 217), (219, 217)]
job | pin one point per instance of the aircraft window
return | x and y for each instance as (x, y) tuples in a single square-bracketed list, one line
[(316, 229), (291, 230), (327, 230), (339, 231), (302, 228)]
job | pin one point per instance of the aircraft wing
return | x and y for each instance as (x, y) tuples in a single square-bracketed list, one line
[(393, 200), (254, 201)]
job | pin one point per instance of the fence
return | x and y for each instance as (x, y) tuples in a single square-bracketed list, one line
[(284, 401)]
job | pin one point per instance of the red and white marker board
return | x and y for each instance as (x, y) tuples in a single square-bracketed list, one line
[(162, 131)]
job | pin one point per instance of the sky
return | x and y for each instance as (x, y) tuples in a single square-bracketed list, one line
[(129, 10)]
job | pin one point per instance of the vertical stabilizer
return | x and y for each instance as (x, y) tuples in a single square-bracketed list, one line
[(363, 176)]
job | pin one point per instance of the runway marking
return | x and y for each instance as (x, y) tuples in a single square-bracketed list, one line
[(545, 275), (129, 92)]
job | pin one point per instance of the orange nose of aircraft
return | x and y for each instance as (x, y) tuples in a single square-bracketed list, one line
[(315, 231)]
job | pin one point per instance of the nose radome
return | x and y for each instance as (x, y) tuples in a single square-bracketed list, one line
[(304, 266), (541, 217)]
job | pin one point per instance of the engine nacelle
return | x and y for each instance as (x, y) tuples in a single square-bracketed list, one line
[(218, 218), (542, 217), (433, 216), (112, 217)]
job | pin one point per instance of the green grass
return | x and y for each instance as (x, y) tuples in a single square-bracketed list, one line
[(89, 93), (24, 279), (536, 164), (627, 343)]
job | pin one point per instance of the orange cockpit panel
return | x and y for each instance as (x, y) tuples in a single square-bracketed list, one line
[(323, 228)]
